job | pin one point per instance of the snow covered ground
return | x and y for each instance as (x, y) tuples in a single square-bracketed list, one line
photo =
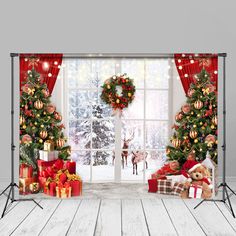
[(105, 173)]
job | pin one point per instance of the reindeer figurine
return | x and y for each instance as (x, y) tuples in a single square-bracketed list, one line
[(125, 153), (137, 157)]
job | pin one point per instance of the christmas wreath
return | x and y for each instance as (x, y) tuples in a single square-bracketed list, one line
[(110, 94)]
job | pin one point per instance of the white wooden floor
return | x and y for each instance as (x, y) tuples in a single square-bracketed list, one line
[(114, 217)]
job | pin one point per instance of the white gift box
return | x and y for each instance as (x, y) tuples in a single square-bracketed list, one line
[(48, 155), (195, 191)]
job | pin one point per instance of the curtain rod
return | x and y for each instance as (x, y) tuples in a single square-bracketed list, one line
[(127, 55)]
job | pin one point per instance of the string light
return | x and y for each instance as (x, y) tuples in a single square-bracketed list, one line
[(185, 75), (45, 65), (180, 67), (55, 63), (192, 61), (26, 59), (215, 72), (179, 60), (183, 55), (49, 74)]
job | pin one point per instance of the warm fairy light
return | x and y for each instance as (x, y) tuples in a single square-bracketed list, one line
[(179, 60), (185, 75), (55, 63), (180, 67), (26, 59), (59, 66), (192, 61), (45, 65), (183, 55), (49, 74), (215, 72)]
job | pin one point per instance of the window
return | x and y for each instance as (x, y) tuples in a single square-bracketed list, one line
[(91, 125)]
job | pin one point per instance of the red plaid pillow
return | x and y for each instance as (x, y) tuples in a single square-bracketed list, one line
[(177, 189), (164, 186), (152, 183)]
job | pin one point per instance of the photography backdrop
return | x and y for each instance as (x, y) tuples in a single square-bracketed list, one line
[(214, 34), (118, 108)]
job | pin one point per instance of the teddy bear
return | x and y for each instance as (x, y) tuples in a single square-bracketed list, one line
[(199, 175)]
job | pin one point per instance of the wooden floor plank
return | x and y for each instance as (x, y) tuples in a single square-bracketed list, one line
[(35, 221), (210, 218), (109, 218), (184, 222), (85, 220), (158, 220), (227, 214), (61, 219), (133, 219), (11, 221)]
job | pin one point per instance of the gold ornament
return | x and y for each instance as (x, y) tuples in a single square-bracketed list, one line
[(195, 140), (214, 120), (41, 126), (22, 120), (194, 126), (38, 115), (198, 104), (35, 123), (117, 100), (38, 104), (129, 94), (193, 134), (216, 141), (203, 127), (40, 140), (44, 113), (200, 149), (24, 127), (200, 123), (212, 127), (60, 142), (127, 80), (43, 134), (108, 86), (198, 115), (192, 113)]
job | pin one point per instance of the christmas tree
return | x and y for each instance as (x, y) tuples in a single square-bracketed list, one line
[(39, 121), (195, 130)]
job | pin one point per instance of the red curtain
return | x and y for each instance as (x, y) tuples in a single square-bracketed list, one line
[(188, 65), (47, 65)]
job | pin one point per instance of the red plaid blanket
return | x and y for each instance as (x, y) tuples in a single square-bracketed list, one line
[(164, 186)]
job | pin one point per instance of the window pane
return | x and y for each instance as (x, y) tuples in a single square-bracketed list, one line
[(83, 160), (103, 135), (156, 134), (132, 131), (99, 108), (134, 68), (102, 69), (157, 73), (102, 166), (79, 134), (135, 110), (155, 161), (129, 173), (156, 104)]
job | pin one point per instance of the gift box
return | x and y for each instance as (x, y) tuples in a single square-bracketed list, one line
[(76, 187), (195, 191), (48, 155), (48, 145), (26, 171), (24, 185), (164, 186), (177, 189), (42, 181), (42, 165), (63, 190), (71, 166), (177, 179), (152, 185)]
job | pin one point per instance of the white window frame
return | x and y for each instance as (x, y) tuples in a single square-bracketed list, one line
[(117, 119)]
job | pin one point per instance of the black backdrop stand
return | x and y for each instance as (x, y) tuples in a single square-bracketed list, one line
[(11, 195), (225, 187)]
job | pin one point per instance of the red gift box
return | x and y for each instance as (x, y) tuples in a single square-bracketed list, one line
[(42, 165), (26, 171), (71, 166), (76, 187), (52, 188), (42, 181), (152, 184)]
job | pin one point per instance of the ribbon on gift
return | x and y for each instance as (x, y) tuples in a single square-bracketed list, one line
[(26, 171), (195, 187)]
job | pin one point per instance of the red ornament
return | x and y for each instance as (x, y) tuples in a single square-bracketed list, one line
[(26, 139), (60, 142), (186, 108), (176, 142), (179, 116), (43, 134), (191, 92), (45, 93), (50, 108), (193, 134)]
